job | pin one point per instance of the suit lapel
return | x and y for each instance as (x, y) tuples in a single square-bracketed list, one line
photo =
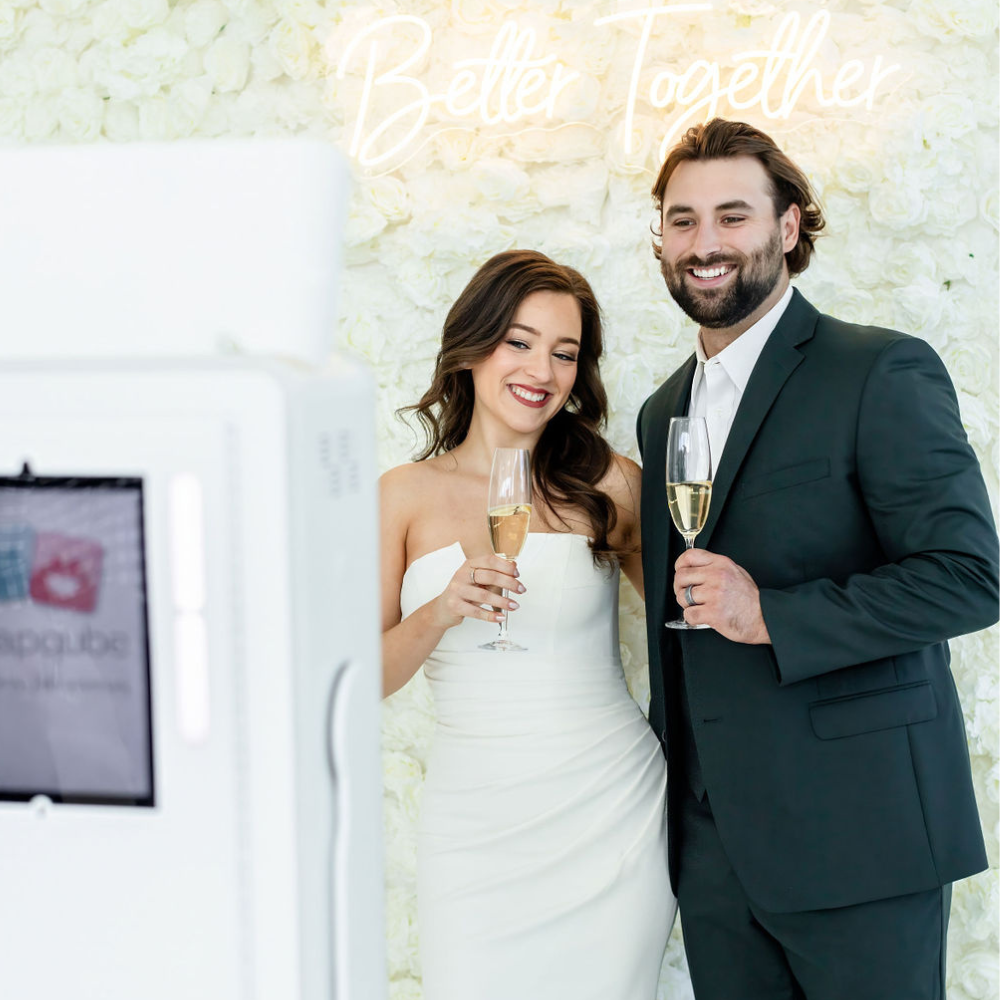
[(777, 361)]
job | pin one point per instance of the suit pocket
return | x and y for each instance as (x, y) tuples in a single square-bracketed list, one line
[(867, 713), (792, 475)]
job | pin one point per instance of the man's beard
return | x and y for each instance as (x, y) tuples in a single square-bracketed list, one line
[(718, 309)]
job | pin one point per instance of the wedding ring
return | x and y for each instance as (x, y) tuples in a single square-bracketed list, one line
[(687, 596), (472, 576)]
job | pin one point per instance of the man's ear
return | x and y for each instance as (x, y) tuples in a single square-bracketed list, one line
[(788, 225)]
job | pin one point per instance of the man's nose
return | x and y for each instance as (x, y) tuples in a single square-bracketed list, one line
[(706, 241)]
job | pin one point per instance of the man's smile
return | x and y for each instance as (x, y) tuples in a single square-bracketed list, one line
[(709, 277)]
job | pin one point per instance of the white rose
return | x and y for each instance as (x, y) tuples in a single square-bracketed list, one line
[(752, 8), (855, 174), (40, 29), (292, 46), (81, 113), (402, 776), (154, 60), (401, 931), (952, 206), (475, 16), (505, 186), (424, 281), (575, 141), (306, 12), (10, 25), (457, 148), (866, 257), (832, 291), (582, 188), (390, 198), (970, 364), (989, 206), (583, 47), (121, 121), (897, 206), (40, 118), (253, 23), (227, 63), (974, 907), (17, 76), (203, 21), (299, 106), (364, 222), (635, 153), (266, 66), (154, 119), (972, 974), (11, 118), (400, 842), (405, 989), (978, 420), (918, 309), (905, 262), (186, 106), (62, 8), (55, 70), (109, 24), (950, 20), (143, 14), (578, 101), (948, 114)]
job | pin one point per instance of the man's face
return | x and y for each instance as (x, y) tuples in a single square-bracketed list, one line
[(723, 249)]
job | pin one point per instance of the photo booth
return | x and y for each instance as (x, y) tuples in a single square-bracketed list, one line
[(189, 644)]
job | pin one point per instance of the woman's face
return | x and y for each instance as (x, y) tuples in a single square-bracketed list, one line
[(527, 379)]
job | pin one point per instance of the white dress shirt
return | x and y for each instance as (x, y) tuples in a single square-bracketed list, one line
[(719, 382)]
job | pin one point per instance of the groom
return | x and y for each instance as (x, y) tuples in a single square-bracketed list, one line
[(820, 794)]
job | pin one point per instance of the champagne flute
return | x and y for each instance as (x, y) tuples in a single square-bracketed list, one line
[(689, 482), (508, 513)]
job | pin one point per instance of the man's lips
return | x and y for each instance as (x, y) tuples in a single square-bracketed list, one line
[(708, 277), (526, 395)]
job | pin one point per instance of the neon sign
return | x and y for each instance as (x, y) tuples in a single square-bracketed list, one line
[(516, 85)]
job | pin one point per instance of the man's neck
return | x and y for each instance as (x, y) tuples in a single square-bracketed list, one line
[(714, 341)]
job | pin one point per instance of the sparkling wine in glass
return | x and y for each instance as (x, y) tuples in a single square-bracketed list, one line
[(689, 482), (508, 513)]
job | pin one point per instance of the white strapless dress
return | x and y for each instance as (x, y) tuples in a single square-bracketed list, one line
[(542, 862)]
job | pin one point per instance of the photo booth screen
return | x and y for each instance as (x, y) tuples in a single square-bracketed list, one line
[(74, 655)]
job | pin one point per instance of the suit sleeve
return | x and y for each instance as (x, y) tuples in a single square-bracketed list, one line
[(924, 492), (638, 429)]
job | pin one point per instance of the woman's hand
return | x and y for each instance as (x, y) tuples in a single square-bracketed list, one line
[(478, 581)]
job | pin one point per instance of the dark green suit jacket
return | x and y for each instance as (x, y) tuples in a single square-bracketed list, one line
[(836, 759)]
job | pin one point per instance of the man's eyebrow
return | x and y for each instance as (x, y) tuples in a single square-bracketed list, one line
[(531, 329), (726, 206)]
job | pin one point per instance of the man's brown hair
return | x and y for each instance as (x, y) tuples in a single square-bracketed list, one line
[(720, 139)]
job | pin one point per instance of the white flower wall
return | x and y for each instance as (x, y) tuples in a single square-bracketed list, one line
[(890, 106)]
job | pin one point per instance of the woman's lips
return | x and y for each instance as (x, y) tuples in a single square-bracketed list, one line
[(524, 394)]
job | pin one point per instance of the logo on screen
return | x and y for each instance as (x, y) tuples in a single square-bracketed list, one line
[(17, 545), (66, 571)]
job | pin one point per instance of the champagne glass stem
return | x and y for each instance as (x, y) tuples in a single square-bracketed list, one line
[(502, 637)]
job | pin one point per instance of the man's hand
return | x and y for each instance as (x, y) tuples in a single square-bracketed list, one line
[(726, 597)]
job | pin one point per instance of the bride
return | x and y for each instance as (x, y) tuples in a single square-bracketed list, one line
[(542, 865)]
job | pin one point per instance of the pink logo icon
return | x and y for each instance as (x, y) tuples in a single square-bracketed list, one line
[(66, 571)]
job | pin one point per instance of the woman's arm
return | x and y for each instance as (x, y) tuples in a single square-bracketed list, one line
[(623, 484), (407, 642)]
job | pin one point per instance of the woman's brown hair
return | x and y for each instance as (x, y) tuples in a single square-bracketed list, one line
[(571, 456), (720, 139)]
